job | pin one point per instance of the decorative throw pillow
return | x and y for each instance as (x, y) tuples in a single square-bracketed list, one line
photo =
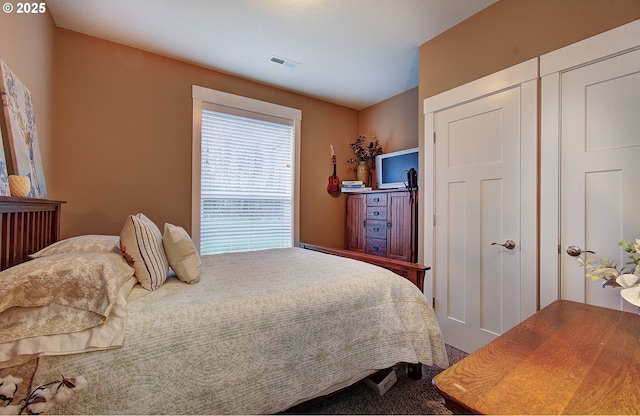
[(141, 243), (81, 244), (59, 294), (182, 253)]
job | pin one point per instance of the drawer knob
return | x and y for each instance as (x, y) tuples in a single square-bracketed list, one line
[(376, 212), (376, 199), (376, 229)]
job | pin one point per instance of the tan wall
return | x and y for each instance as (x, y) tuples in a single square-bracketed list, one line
[(26, 46), (512, 31), (123, 138), (393, 121)]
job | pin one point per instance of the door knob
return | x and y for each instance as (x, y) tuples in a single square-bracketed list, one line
[(575, 251), (509, 244)]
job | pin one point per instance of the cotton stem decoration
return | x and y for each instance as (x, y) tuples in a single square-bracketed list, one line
[(8, 388), (42, 398)]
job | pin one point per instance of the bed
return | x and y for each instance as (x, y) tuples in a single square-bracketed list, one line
[(259, 333)]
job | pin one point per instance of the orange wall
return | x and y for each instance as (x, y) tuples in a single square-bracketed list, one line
[(123, 138), (26, 46), (393, 121), (513, 31)]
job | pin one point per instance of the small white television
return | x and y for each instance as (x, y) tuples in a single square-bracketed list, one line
[(392, 168)]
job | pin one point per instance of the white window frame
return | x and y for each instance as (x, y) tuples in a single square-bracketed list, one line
[(202, 95)]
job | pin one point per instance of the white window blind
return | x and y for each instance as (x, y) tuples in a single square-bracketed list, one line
[(247, 181)]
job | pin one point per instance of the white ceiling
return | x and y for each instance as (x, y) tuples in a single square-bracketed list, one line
[(352, 52)]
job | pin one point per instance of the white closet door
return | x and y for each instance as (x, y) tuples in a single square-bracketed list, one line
[(590, 139), (484, 176)]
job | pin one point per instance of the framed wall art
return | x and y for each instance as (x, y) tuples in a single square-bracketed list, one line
[(4, 176), (22, 150)]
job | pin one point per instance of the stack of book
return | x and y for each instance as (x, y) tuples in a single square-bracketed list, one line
[(354, 186)]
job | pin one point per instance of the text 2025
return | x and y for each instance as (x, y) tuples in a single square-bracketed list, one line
[(31, 8)]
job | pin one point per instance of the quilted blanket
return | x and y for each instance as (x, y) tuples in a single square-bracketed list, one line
[(261, 332)]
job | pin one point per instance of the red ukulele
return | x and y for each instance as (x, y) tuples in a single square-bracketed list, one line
[(333, 187)]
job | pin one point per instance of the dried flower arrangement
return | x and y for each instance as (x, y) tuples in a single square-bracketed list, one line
[(42, 398), (365, 152)]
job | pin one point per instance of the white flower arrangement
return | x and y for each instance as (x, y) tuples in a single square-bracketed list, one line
[(42, 398), (628, 278)]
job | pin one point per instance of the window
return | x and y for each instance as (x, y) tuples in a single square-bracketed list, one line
[(244, 173)]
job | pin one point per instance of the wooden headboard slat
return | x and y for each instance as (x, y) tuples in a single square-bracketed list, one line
[(26, 226)]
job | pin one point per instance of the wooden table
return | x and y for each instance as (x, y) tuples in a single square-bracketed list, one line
[(569, 358)]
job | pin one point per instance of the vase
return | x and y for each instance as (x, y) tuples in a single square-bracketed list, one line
[(363, 172), (19, 185)]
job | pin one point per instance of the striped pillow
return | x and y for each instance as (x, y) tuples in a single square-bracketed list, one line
[(141, 243)]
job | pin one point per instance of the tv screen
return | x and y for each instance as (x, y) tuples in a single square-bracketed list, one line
[(392, 168)]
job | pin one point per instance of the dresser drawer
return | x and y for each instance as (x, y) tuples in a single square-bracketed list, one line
[(376, 229), (374, 200), (376, 246), (377, 213)]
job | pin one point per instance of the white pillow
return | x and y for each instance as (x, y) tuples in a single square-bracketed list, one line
[(182, 253), (141, 243)]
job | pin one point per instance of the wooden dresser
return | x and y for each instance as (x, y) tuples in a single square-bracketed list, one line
[(383, 223)]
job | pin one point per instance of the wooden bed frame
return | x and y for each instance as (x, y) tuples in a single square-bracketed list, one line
[(26, 226), (413, 272)]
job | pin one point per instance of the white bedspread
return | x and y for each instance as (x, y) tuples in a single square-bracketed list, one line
[(261, 331)]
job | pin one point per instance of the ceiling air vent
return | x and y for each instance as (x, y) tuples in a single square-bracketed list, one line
[(284, 61)]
